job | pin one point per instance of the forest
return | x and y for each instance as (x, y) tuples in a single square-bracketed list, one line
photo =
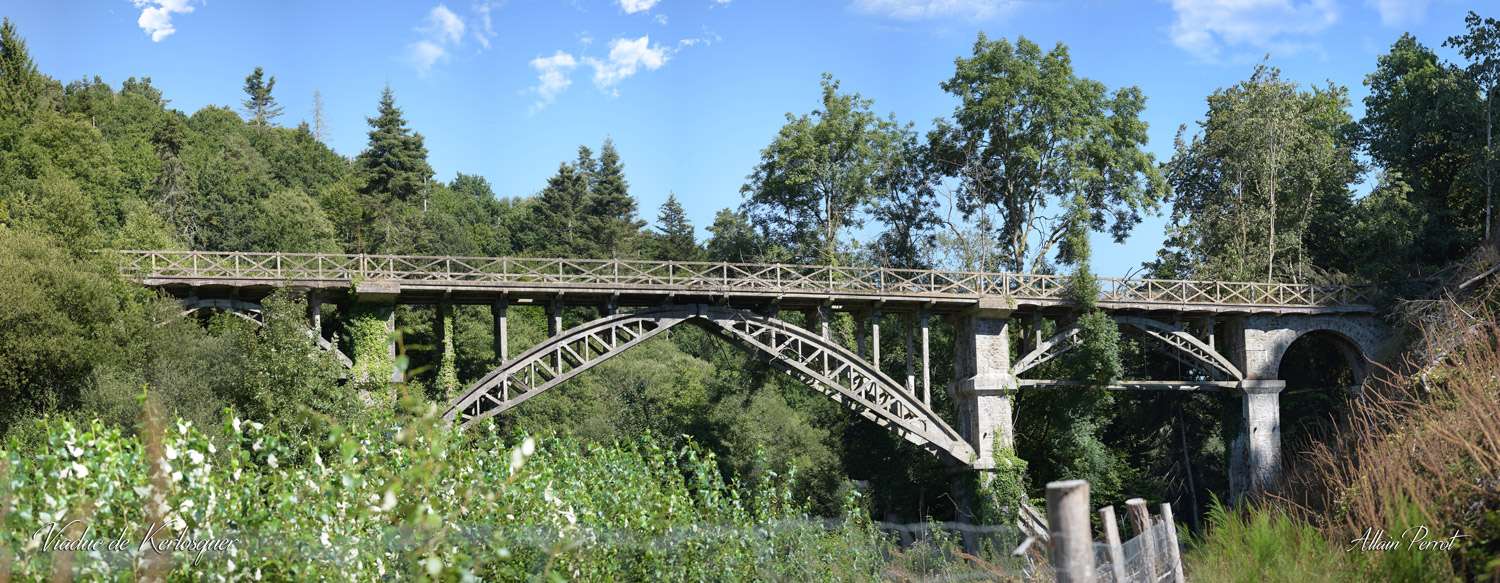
[(1032, 159)]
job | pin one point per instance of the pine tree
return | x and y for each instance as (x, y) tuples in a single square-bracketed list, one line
[(559, 211), (261, 106), (395, 163), (675, 241), (611, 222), (19, 80)]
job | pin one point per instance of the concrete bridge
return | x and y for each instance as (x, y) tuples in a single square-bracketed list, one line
[(1230, 335)]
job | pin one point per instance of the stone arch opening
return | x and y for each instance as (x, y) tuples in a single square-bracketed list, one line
[(1323, 370)]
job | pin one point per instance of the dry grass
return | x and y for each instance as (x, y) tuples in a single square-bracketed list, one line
[(1422, 447)]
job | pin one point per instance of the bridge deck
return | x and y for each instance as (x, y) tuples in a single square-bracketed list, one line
[(482, 280)]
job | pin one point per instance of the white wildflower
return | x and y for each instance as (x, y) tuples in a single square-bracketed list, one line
[(271, 460), (80, 471), (236, 424), (171, 452), (195, 455), (389, 502), (528, 447)]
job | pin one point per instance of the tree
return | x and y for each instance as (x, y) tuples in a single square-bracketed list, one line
[(1419, 119), (675, 241), (1481, 46), (260, 106), (320, 119), (817, 174), (560, 208), (290, 221), (174, 185), (906, 204), (395, 163), (732, 238), (1027, 135), (1272, 163), (19, 79), (611, 227)]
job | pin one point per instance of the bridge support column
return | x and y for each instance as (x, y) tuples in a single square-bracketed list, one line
[(825, 318), (985, 385), (1256, 454), (911, 377), (315, 312), (390, 331), (554, 317), (502, 332), (875, 336), (448, 367)]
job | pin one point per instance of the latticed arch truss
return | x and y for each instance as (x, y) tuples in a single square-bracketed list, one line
[(826, 367)]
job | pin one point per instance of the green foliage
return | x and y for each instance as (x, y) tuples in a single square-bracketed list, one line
[(1097, 359), (289, 221), (732, 238), (676, 240), (260, 105), (820, 170), (369, 345), (610, 225), (1260, 190), (395, 163), (391, 504), (1418, 125), (289, 382), (1027, 134)]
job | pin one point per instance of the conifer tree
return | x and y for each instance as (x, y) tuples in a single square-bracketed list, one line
[(395, 163), (260, 106), (559, 211), (19, 80), (675, 241), (320, 120), (611, 222)]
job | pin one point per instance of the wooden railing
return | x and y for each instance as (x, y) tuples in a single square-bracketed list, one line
[(699, 276)]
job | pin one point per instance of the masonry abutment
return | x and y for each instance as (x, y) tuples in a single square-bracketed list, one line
[(983, 384), (1260, 430)]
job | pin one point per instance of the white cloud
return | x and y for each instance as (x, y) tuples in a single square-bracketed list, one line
[(626, 56), (552, 77), (927, 9), (1400, 12), (634, 6), (1204, 28), (444, 25), (660, 19), (486, 30), (424, 54), (156, 16), (442, 29)]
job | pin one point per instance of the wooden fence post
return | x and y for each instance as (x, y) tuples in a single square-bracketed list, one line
[(1174, 555), (1140, 522), (1072, 538), (1112, 539)]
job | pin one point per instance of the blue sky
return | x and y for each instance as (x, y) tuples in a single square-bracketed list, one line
[(691, 90)]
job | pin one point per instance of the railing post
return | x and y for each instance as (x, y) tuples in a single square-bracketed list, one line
[(1174, 555), (1112, 540), (1140, 522), (1072, 539)]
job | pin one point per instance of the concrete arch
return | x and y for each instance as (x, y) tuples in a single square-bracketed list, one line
[(1267, 338), (826, 367), (252, 312), (1162, 337), (1355, 355)]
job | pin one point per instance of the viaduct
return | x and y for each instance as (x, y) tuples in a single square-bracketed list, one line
[(1231, 336)]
